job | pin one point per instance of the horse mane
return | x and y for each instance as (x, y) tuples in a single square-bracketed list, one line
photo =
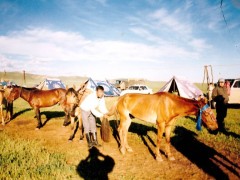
[(182, 99), (71, 90)]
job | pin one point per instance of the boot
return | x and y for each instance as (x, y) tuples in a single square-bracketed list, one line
[(89, 140), (95, 141)]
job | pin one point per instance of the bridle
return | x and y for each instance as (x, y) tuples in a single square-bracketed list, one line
[(199, 118)]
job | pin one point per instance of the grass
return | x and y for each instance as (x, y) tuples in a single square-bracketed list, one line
[(27, 159)]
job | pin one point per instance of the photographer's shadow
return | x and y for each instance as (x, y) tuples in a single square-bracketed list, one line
[(95, 166)]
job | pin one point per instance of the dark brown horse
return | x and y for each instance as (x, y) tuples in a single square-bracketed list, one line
[(162, 109), (1, 105), (39, 98)]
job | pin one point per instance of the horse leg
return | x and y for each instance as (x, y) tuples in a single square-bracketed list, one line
[(80, 126), (74, 129), (128, 123), (161, 126), (38, 115), (168, 135), (11, 110), (122, 130), (66, 120), (1, 112)]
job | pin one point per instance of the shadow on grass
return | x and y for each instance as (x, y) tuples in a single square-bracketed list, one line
[(95, 166), (52, 114), (18, 114), (205, 157), (139, 129)]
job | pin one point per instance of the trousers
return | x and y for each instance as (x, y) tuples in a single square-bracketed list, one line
[(89, 122), (221, 110)]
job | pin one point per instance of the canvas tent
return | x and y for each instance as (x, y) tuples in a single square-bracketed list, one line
[(109, 89), (184, 88), (50, 83)]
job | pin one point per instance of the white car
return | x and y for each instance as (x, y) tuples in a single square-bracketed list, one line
[(141, 89), (234, 93)]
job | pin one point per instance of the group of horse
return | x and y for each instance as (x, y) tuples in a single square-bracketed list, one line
[(161, 109)]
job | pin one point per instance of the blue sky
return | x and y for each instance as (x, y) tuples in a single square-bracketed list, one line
[(151, 39)]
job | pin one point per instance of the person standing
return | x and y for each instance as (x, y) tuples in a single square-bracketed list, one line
[(220, 96), (93, 106)]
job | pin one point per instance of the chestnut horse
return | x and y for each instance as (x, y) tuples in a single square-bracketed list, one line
[(160, 108), (39, 98)]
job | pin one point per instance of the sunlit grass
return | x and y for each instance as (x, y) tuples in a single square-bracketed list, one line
[(27, 159)]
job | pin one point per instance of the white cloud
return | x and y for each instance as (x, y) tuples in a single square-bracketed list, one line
[(47, 45), (45, 51), (164, 18)]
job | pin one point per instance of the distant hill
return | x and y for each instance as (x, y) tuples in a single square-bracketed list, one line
[(35, 79)]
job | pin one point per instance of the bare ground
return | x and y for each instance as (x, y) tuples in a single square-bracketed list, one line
[(194, 159)]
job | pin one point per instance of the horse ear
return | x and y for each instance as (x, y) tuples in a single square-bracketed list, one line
[(204, 100), (74, 87), (67, 87)]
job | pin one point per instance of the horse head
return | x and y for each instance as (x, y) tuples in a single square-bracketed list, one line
[(207, 115), (12, 93)]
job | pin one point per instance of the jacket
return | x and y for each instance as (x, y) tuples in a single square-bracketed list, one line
[(220, 95)]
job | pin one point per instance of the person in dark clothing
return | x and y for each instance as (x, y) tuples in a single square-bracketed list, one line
[(220, 96)]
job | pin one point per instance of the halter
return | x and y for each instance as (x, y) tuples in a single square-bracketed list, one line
[(199, 119)]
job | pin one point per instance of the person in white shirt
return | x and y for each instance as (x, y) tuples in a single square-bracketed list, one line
[(93, 106)]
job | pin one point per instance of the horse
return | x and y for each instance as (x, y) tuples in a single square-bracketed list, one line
[(39, 98), (1, 105), (160, 108)]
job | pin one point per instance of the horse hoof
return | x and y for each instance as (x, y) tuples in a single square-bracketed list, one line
[(123, 150), (129, 150), (171, 158), (159, 159), (70, 140), (37, 128), (3, 124)]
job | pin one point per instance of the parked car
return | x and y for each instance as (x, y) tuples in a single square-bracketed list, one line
[(234, 92), (233, 86), (141, 89)]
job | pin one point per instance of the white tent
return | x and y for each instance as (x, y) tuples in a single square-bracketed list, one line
[(51, 83), (182, 87)]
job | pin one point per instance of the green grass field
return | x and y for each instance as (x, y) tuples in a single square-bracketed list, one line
[(46, 154)]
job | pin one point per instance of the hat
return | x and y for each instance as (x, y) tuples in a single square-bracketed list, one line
[(221, 80)]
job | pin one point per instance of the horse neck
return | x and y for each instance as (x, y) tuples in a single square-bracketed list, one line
[(189, 106), (25, 94)]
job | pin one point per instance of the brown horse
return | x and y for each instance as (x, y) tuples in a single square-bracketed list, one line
[(1, 105), (162, 109), (39, 98)]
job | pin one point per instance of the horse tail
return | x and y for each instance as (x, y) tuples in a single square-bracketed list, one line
[(113, 109)]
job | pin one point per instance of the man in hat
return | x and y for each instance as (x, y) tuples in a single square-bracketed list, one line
[(91, 107), (220, 96)]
